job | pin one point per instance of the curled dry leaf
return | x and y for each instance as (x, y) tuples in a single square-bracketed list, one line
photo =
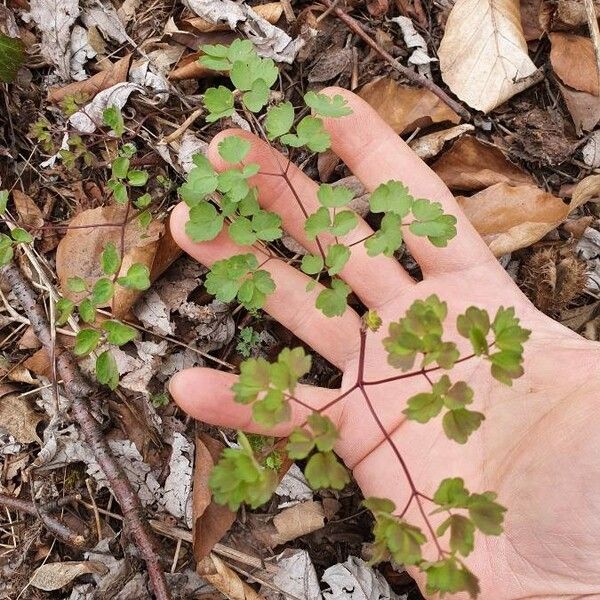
[(428, 146), (512, 217), (295, 577), (19, 419), (471, 165), (591, 151), (583, 107), (116, 73), (587, 189), (296, 521), (568, 14), (211, 521), (54, 576), (574, 62), (78, 253), (226, 580), (483, 54), (189, 68), (271, 11), (54, 19), (405, 108), (416, 42)]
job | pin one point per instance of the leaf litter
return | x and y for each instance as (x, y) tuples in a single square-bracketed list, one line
[(522, 167)]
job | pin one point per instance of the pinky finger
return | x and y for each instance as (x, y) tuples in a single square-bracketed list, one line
[(206, 395)]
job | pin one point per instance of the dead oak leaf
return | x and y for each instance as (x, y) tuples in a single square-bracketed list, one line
[(78, 253), (483, 54), (574, 62), (18, 417)]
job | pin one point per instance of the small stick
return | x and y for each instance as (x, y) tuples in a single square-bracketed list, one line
[(592, 20), (411, 75)]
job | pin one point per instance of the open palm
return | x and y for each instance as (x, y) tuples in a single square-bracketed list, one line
[(538, 447)]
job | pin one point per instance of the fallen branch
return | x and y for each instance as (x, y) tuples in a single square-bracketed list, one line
[(77, 389), (411, 75)]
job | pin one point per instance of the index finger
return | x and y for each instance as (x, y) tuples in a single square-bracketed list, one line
[(375, 154)]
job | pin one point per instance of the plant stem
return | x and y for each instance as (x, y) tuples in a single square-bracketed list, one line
[(78, 390)]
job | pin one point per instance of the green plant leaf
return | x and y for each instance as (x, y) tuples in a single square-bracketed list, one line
[(238, 478), (113, 118), (137, 278), (3, 201), (462, 533), (215, 57), (323, 470), (272, 409), (234, 182), (12, 56), (279, 120), (120, 167), (102, 291), (110, 259), (423, 407), (86, 341), (379, 505), (325, 433), (388, 238), (6, 254), (234, 149), (337, 257), (267, 225), (64, 308), (371, 320), (143, 201), (311, 264), (486, 514), (311, 133), (334, 196), (333, 301), (257, 97), (474, 325), (137, 178), (343, 222), (391, 197), (118, 333), (431, 222), (395, 537), (249, 70), (87, 311), (204, 224), (300, 444), (107, 372), (241, 232), (460, 423), (20, 235), (317, 223), (219, 102), (119, 190), (510, 336), (201, 181), (452, 493), (327, 106), (241, 50), (448, 576)]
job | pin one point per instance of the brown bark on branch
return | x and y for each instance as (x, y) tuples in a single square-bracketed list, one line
[(77, 389)]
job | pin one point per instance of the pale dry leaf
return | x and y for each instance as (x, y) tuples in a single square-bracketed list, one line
[(591, 151), (471, 165), (55, 576), (296, 521), (483, 54), (330, 64), (81, 52), (271, 11), (177, 490), (18, 418), (154, 313), (182, 359), (587, 189), (416, 42), (428, 146), (294, 486), (512, 217), (225, 579), (145, 74), (54, 19), (588, 247), (574, 62), (188, 147), (356, 580), (127, 10), (29, 213), (295, 577), (78, 253), (104, 17), (211, 521), (406, 108), (584, 108), (89, 117), (117, 73)]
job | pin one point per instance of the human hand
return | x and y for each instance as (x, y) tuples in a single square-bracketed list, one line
[(538, 447)]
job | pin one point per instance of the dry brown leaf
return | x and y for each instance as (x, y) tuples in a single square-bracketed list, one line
[(54, 576), (211, 521), (224, 579), (405, 108), (587, 189), (574, 62), (19, 419), (584, 108), (271, 11), (431, 145), (29, 213), (91, 86), (298, 520), (511, 217), (78, 253), (189, 68), (166, 254), (569, 14), (530, 19), (483, 54), (471, 165)]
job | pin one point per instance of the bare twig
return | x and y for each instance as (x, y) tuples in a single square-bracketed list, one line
[(592, 20), (411, 75), (78, 390)]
